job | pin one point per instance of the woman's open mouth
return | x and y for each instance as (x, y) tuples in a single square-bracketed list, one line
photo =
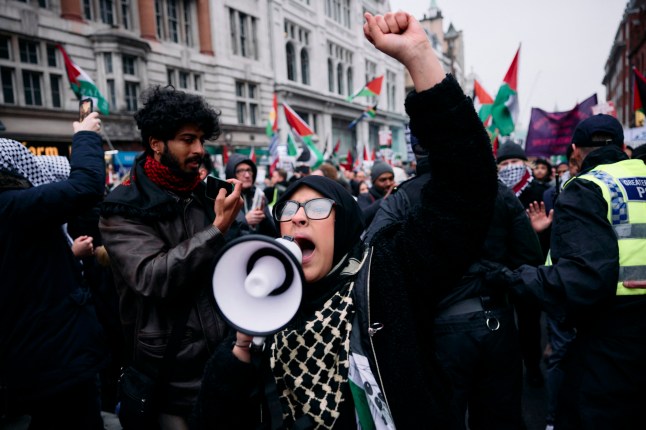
[(307, 248)]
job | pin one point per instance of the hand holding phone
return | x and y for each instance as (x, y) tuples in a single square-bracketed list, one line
[(213, 186), (86, 106)]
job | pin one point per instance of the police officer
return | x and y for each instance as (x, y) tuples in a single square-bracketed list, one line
[(597, 282)]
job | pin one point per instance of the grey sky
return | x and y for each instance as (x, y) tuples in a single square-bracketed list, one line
[(565, 44)]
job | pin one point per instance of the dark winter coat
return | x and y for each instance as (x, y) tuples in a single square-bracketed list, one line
[(412, 264), (50, 338)]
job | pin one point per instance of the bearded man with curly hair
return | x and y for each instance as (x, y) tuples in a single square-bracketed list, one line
[(162, 235)]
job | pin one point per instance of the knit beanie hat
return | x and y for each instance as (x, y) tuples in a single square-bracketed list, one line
[(379, 169), (510, 150)]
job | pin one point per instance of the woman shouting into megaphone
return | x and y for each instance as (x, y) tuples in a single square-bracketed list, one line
[(360, 348)]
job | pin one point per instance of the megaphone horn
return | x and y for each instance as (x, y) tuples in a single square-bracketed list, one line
[(257, 283)]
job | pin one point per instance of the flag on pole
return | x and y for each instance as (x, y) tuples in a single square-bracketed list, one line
[(371, 112), (272, 122), (292, 149), (336, 148), (504, 111), (639, 97), (305, 133), (82, 85), (371, 89), (482, 102), (252, 155)]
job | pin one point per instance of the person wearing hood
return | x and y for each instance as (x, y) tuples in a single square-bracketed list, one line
[(254, 216), (382, 177), (52, 346), (359, 351)]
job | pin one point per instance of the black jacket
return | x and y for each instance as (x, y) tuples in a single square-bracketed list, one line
[(50, 338), (582, 281), (413, 264)]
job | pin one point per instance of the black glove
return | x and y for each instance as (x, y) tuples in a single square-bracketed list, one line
[(497, 277)]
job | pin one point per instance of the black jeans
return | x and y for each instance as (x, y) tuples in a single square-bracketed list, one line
[(484, 366)]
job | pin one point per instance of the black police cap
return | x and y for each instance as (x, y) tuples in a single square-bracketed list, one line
[(600, 123)]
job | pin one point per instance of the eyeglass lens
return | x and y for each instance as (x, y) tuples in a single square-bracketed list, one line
[(315, 209)]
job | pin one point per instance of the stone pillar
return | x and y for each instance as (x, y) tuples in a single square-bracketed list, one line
[(71, 9), (147, 19), (204, 27)]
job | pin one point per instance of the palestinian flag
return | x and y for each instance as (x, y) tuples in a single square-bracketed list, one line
[(304, 133), (372, 89), (82, 85), (370, 112), (639, 97), (504, 111), (482, 102)]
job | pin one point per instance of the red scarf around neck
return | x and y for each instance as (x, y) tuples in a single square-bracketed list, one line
[(165, 178)]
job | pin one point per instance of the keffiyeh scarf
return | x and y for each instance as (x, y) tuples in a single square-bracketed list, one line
[(16, 159), (516, 177)]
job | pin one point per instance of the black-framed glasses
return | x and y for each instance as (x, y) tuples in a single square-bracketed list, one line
[(315, 209)]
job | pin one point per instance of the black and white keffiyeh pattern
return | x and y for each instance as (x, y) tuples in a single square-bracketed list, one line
[(57, 165), (16, 158)]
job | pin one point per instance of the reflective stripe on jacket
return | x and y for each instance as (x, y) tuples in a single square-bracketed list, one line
[(623, 185)]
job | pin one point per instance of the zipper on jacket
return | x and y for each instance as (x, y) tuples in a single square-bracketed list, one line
[(373, 328)]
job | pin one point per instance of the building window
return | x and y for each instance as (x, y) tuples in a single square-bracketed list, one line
[(6, 75), (305, 66), (107, 59), (28, 51), (291, 62), (338, 11), (391, 81), (31, 85), (55, 87), (174, 20), (339, 62), (132, 94), (111, 12), (244, 34), (129, 64), (112, 93), (247, 106), (297, 52), (122, 80), (184, 79), (350, 80), (52, 56), (5, 48), (30, 72)]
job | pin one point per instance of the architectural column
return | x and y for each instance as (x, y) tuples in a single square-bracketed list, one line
[(204, 27), (147, 19), (71, 9)]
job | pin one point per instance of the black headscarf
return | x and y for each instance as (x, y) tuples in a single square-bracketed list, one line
[(348, 223)]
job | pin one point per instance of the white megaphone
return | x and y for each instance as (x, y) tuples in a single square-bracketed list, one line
[(258, 284)]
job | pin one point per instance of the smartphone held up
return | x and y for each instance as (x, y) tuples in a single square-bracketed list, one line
[(214, 185), (86, 106)]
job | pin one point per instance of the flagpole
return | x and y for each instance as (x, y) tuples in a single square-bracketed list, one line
[(114, 151)]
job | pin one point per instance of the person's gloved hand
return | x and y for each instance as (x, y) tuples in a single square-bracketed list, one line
[(497, 277)]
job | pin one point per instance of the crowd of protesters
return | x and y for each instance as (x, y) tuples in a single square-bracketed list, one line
[(424, 299)]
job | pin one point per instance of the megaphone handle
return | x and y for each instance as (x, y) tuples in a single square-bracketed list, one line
[(258, 342)]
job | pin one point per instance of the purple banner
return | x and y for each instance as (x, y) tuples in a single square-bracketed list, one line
[(550, 133)]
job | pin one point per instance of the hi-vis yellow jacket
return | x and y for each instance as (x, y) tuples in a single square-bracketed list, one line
[(624, 188)]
